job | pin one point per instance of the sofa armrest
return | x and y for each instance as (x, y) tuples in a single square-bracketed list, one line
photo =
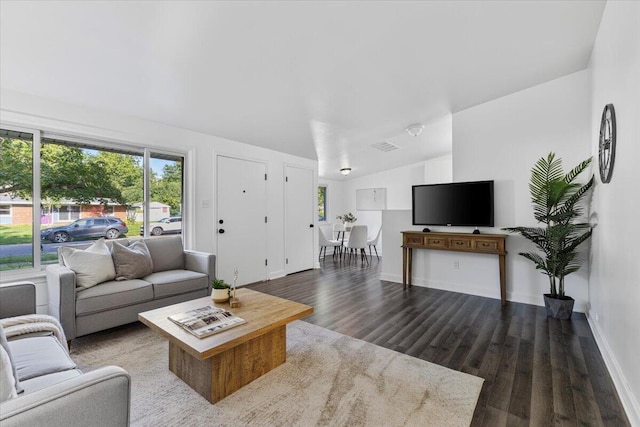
[(61, 284), (97, 397), (201, 262), (17, 299)]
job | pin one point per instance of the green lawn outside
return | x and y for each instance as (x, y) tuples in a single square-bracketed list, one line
[(14, 234)]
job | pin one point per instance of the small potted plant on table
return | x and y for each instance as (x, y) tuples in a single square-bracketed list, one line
[(220, 291), (347, 219)]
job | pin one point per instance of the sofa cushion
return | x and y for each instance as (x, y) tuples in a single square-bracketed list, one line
[(114, 294), (92, 265), (4, 344), (7, 380), (38, 356), (44, 381), (166, 252), (174, 282), (133, 261)]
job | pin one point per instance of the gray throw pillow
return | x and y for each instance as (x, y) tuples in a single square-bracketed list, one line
[(5, 345), (133, 261)]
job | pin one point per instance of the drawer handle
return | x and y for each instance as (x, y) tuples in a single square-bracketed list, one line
[(485, 244), (459, 243)]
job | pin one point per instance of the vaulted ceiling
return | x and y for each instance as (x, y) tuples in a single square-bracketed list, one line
[(321, 80)]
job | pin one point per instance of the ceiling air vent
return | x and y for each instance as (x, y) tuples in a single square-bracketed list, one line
[(385, 146)]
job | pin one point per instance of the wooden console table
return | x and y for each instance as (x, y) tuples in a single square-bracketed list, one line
[(461, 242)]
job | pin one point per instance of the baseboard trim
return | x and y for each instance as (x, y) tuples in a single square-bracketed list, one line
[(396, 278), (629, 401), (444, 286), (276, 274)]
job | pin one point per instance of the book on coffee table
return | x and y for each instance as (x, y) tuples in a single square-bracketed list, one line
[(205, 321)]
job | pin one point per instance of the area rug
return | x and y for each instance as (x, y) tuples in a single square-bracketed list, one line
[(329, 379)]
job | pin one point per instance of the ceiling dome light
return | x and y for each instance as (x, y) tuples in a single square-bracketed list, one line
[(345, 171), (415, 129)]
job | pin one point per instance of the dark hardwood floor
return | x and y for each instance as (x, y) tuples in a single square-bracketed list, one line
[(538, 371)]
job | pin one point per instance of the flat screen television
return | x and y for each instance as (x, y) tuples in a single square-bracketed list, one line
[(454, 204)]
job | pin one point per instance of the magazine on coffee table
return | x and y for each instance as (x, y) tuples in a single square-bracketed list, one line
[(205, 321)]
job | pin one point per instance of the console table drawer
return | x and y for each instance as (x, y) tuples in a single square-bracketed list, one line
[(417, 241), (460, 243), (433, 242), (487, 245)]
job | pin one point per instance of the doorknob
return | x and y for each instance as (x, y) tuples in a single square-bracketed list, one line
[(221, 231), (310, 225)]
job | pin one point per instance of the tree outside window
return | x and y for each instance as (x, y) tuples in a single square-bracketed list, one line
[(322, 203)]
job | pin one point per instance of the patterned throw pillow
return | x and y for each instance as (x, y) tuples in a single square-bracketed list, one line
[(133, 261)]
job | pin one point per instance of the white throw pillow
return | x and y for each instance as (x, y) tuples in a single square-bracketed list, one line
[(7, 381), (92, 266)]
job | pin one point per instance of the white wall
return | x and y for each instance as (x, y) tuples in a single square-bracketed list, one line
[(501, 140), (614, 288), (398, 183), (397, 217), (201, 149)]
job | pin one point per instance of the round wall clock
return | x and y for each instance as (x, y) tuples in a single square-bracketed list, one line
[(607, 144)]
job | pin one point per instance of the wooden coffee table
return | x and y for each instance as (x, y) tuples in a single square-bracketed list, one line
[(220, 364)]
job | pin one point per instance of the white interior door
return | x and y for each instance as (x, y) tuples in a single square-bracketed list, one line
[(301, 201), (240, 224)]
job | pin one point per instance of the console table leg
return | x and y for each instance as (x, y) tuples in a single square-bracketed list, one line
[(410, 266), (404, 267), (503, 280)]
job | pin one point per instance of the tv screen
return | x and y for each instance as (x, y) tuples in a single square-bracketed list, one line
[(455, 204)]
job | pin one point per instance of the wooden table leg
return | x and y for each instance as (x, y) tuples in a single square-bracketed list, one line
[(409, 265), (503, 280), (404, 267)]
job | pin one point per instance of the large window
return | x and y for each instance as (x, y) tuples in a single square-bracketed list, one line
[(85, 190), (322, 203)]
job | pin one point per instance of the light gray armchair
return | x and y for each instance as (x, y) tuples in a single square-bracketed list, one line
[(55, 392)]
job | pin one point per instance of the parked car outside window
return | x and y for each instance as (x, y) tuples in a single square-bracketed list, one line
[(172, 225), (86, 228)]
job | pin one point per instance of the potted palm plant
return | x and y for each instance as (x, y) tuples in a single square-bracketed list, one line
[(558, 205)]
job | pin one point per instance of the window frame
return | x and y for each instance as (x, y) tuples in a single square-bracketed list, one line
[(90, 142), (69, 212), (323, 219)]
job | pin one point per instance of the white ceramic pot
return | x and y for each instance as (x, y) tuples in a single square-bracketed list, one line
[(220, 295)]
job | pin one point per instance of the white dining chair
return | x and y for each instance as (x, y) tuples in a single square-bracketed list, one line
[(357, 241), (374, 242), (325, 242), (338, 231)]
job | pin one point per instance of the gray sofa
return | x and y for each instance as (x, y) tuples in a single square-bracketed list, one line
[(177, 276), (56, 393)]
